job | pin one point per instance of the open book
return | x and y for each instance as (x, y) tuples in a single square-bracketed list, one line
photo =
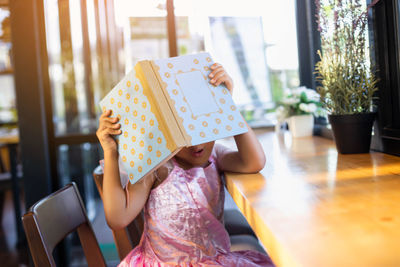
[(167, 104)]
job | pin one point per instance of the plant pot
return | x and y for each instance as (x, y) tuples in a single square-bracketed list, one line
[(301, 125), (352, 133)]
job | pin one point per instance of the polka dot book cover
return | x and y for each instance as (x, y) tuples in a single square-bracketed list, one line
[(167, 104)]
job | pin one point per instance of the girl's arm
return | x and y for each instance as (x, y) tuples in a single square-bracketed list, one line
[(250, 157), (120, 206)]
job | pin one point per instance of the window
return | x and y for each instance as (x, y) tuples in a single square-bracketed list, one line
[(145, 30), (7, 101), (255, 40)]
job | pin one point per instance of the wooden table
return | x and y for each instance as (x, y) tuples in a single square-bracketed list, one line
[(310, 206)]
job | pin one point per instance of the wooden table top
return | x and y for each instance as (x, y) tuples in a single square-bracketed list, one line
[(9, 138), (311, 206)]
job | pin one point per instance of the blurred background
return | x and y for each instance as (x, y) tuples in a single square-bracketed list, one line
[(59, 58)]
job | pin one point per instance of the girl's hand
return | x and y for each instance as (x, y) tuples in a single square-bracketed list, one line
[(218, 75), (108, 127)]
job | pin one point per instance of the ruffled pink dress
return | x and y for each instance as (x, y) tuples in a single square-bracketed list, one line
[(183, 224)]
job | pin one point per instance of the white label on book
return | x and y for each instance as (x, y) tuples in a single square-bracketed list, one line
[(198, 95)]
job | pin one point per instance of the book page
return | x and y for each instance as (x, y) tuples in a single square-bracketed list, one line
[(204, 112)]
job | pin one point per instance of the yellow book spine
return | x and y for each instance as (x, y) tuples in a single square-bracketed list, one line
[(159, 106), (171, 103)]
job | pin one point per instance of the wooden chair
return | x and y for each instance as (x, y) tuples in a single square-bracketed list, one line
[(51, 219)]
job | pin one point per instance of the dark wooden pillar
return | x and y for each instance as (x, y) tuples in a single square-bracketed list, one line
[(33, 97), (308, 41), (34, 102)]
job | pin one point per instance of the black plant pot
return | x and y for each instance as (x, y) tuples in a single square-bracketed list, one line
[(352, 132)]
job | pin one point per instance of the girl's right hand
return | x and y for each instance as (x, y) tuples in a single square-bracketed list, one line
[(108, 127)]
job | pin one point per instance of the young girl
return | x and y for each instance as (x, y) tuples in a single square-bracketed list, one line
[(183, 200)]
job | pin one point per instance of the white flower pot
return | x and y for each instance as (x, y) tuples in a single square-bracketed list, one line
[(301, 125)]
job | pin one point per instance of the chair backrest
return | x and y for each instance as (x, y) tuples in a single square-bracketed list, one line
[(51, 219), (125, 239)]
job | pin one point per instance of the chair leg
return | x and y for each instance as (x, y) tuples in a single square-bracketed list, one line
[(2, 197), (90, 246), (2, 166), (2, 192), (40, 253)]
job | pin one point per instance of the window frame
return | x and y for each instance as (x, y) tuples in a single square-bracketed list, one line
[(385, 42)]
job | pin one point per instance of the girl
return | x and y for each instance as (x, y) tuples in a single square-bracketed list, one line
[(183, 200)]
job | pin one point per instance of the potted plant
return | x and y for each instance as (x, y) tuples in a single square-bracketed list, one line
[(347, 83), (297, 108)]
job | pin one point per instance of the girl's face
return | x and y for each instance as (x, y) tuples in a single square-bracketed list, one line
[(195, 156)]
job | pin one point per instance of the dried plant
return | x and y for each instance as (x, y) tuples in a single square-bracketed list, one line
[(347, 84)]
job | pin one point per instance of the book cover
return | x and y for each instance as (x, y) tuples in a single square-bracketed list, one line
[(204, 113), (167, 104), (144, 143)]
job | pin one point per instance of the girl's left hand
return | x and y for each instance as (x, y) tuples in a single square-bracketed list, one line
[(218, 75)]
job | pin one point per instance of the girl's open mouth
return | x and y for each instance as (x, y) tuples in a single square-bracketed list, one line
[(198, 152)]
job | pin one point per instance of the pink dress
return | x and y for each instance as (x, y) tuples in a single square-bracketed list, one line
[(183, 224)]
